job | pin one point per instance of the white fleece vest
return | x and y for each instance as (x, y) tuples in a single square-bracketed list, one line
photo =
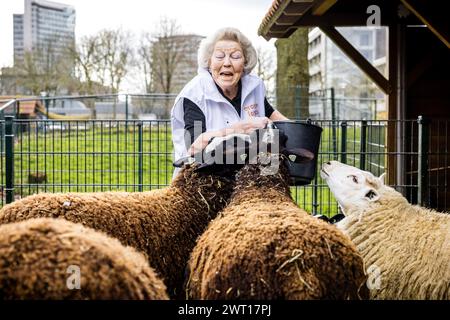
[(219, 112)]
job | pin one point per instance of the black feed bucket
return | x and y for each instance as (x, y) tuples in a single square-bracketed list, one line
[(301, 134)]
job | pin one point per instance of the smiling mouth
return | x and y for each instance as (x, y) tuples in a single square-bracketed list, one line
[(226, 74)]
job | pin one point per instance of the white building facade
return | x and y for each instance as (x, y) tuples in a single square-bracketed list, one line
[(43, 25), (356, 96)]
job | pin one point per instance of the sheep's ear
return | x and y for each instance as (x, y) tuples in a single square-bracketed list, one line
[(298, 155), (382, 178), (372, 195)]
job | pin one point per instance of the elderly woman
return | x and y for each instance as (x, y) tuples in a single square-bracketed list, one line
[(223, 98)]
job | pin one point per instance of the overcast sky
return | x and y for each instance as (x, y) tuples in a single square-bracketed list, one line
[(195, 16)]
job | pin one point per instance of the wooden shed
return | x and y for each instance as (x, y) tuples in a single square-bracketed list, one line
[(418, 80), (26, 109)]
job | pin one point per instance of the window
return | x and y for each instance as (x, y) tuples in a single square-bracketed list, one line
[(380, 43), (367, 54), (364, 39)]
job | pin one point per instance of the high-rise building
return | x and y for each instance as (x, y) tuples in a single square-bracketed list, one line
[(329, 68), (46, 26), (18, 37)]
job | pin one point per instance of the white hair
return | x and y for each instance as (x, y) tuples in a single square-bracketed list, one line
[(206, 48)]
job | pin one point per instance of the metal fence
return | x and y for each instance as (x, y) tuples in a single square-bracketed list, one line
[(136, 155), (420, 164), (98, 107), (319, 106), (326, 104)]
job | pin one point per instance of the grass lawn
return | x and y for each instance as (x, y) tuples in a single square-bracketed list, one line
[(98, 159)]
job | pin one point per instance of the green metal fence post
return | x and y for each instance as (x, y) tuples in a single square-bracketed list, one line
[(9, 158), (140, 157), (362, 162), (126, 107), (17, 106), (46, 107), (422, 163), (315, 204), (2, 138), (333, 124), (344, 141)]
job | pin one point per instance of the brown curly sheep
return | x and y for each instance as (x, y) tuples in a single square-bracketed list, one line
[(262, 246), (164, 224), (38, 257)]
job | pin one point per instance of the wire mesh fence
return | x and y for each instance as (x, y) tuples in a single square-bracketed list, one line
[(92, 155), (298, 103), (95, 107), (136, 155)]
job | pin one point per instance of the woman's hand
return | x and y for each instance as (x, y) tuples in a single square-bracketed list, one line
[(199, 144), (248, 126), (245, 126)]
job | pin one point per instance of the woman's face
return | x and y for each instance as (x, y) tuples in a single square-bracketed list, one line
[(227, 64)]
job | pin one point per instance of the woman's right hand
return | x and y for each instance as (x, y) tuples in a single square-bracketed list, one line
[(244, 126), (248, 126)]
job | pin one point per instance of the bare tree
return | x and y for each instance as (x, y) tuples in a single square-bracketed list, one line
[(265, 67), (166, 57), (102, 61), (84, 56), (98, 61), (45, 68), (29, 76), (112, 57), (8, 81), (168, 51), (144, 61)]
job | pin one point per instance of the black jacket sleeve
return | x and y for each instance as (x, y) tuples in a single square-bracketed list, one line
[(268, 108), (193, 116)]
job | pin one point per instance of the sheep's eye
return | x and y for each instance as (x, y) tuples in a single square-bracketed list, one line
[(371, 194), (354, 178)]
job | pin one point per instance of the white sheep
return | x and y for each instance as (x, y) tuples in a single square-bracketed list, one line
[(406, 247)]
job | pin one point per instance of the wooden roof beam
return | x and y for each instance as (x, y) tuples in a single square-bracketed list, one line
[(323, 7), (433, 23), (336, 20), (357, 58)]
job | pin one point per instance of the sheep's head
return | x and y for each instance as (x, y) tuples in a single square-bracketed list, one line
[(268, 151), (351, 186), (267, 163)]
